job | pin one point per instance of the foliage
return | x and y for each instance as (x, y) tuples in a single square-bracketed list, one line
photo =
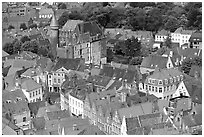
[(187, 63), (136, 61), (11, 27), (33, 26), (16, 46), (61, 6), (24, 39), (30, 21), (8, 47), (167, 43), (23, 26), (31, 46)]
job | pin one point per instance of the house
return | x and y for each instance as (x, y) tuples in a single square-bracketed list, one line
[(9, 128), (181, 36), (82, 40), (61, 68), (32, 90), (67, 87), (162, 83), (76, 100), (45, 14), (15, 108), (155, 61), (161, 36), (196, 40)]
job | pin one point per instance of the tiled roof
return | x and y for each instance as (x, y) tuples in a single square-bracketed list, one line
[(73, 64), (27, 55), (190, 52), (39, 123), (99, 80), (42, 111), (153, 61), (196, 36), (180, 30), (162, 74), (194, 69), (58, 114), (80, 92), (12, 126), (140, 109), (132, 123), (5, 70), (4, 53), (45, 11), (71, 25), (163, 33), (92, 130), (43, 62), (136, 131), (90, 27), (192, 121), (18, 103), (30, 84), (115, 85), (149, 119), (34, 106)]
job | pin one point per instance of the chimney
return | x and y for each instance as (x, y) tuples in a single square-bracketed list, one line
[(75, 127)]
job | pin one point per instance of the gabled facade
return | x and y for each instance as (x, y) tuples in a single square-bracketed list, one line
[(162, 83), (181, 90), (196, 40)]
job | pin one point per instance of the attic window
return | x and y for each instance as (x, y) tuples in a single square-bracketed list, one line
[(178, 78), (153, 81), (171, 80), (8, 101), (174, 79), (18, 99), (166, 81), (160, 82), (181, 77)]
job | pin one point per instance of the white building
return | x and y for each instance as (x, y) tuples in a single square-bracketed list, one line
[(181, 36), (161, 36)]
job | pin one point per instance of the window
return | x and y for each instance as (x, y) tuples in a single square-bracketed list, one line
[(15, 121), (58, 74), (174, 79), (178, 78), (55, 81), (156, 89), (49, 76), (153, 81), (181, 77), (152, 88), (146, 87), (30, 95), (171, 80), (58, 80), (76, 103), (36, 93), (33, 94), (24, 119), (149, 88), (39, 91), (160, 82), (160, 90), (166, 81)]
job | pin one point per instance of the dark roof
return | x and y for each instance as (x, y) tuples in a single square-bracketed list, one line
[(99, 80), (136, 131), (5, 70), (116, 84), (196, 37), (132, 123), (34, 107), (107, 71), (69, 64), (80, 92), (194, 69), (58, 114), (91, 27), (92, 130), (153, 61), (39, 123)]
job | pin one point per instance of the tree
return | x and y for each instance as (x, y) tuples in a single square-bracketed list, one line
[(24, 39), (133, 47), (61, 6), (194, 18), (172, 24), (168, 42), (11, 27), (30, 21), (31, 46), (33, 26), (136, 61), (23, 26), (187, 63), (8, 47), (16, 46)]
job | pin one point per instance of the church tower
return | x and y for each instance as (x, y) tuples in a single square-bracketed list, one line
[(54, 36)]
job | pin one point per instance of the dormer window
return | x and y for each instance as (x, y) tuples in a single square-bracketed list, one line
[(153, 81), (178, 78), (149, 81), (160, 82), (18, 99), (166, 81), (174, 79), (181, 77), (8, 101), (171, 80)]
